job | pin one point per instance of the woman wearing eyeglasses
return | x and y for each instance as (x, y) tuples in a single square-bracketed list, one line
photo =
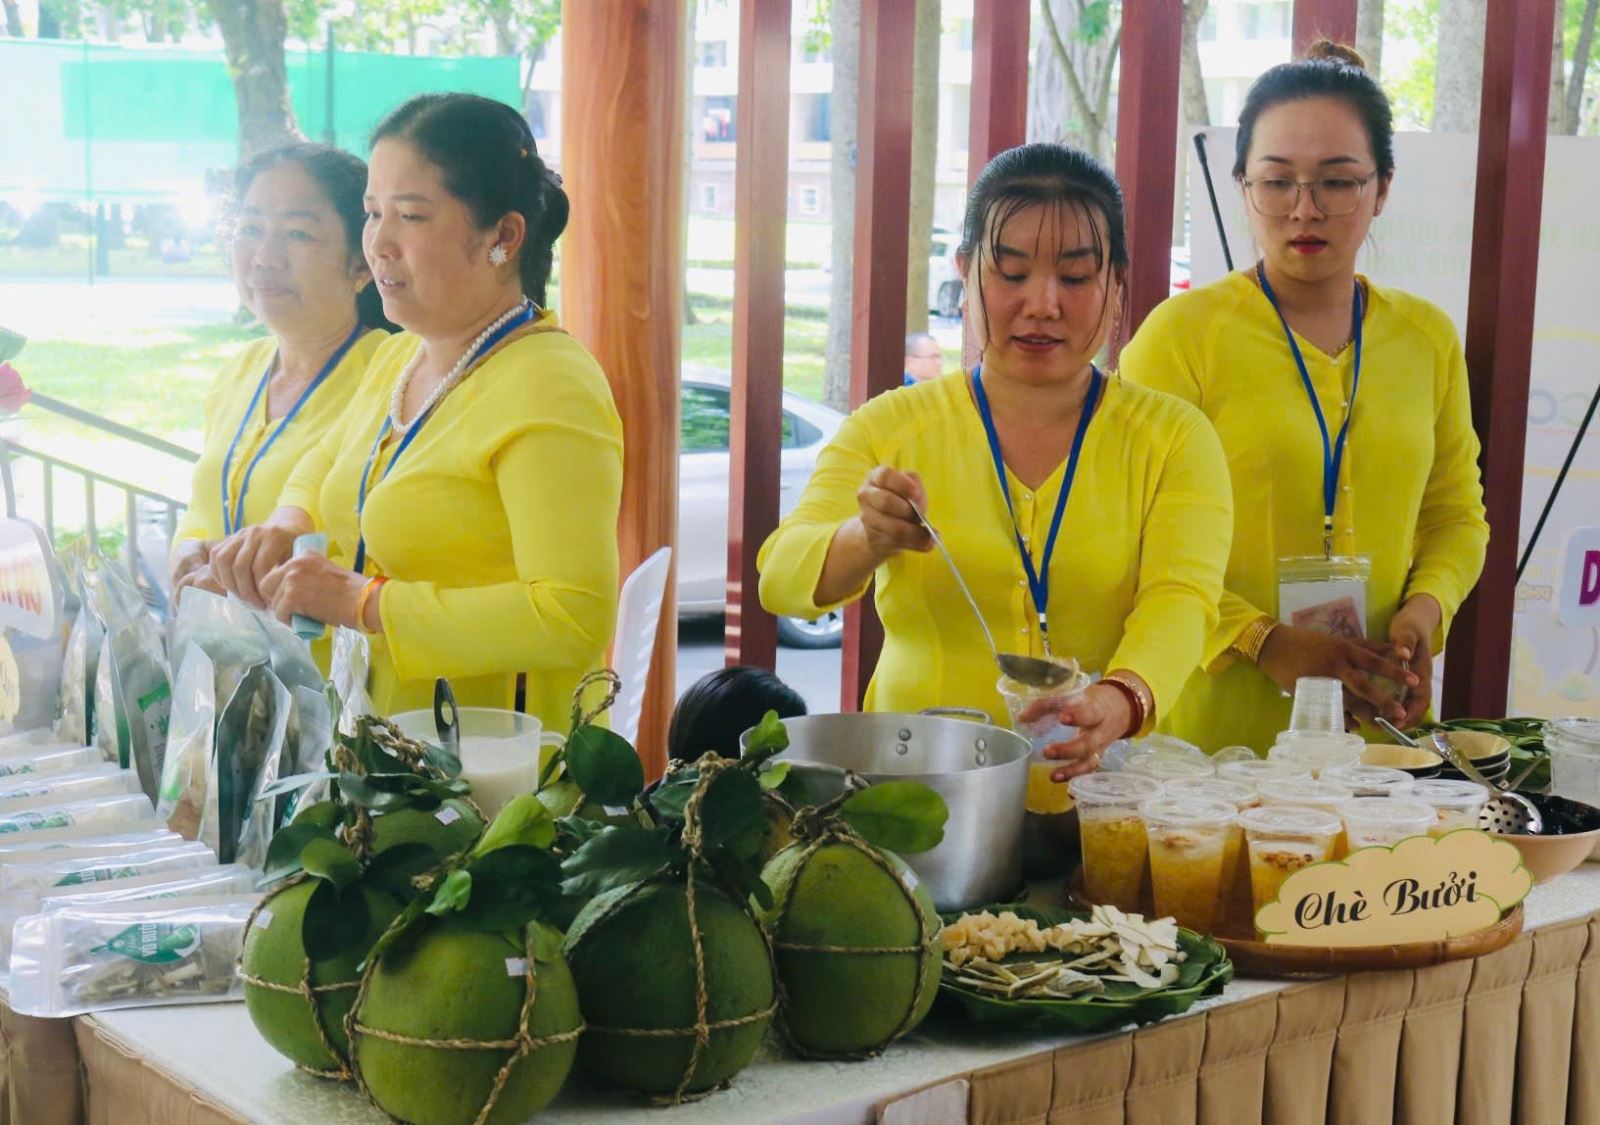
[(1344, 413)]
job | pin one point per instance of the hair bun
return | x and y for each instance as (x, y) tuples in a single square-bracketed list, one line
[(1329, 51)]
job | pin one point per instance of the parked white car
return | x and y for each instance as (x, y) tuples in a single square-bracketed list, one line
[(944, 278), (703, 496)]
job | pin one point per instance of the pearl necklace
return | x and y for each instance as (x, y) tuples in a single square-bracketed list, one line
[(457, 373)]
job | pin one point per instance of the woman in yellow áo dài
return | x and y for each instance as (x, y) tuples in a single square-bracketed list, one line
[(1344, 411), (298, 264), (1071, 501), (471, 498)]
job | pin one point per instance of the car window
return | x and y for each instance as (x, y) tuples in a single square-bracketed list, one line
[(797, 432), (705, 419)]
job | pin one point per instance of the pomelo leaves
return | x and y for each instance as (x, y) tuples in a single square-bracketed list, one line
[(899, 816), (603, 765), (616, 857)]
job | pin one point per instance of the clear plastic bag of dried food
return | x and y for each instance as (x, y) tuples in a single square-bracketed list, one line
[(132, 677), (64, 842), (128, 955), (105, 813), (49, 759), (31, 790), (47, 869)]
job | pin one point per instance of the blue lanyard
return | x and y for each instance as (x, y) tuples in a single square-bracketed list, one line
[(1039, 579), (233, 516), (529, 309), (1332, 448)]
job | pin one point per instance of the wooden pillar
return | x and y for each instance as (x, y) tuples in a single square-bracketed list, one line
[(999, 109), (1147, 120), (622, 268), (878, 315), (1323, 19), (1499, 344), (760, 218)]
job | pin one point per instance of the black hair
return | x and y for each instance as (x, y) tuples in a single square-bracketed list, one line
[(1044, 174), (1328, 70), (342, 176), (489, 161), (721, 706)]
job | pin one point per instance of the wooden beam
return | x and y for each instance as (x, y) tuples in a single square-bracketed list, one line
[(1500, 301), (999, 108), (622, 269), (760, 223), (1147, 120), (878, 315), (1323, 19)]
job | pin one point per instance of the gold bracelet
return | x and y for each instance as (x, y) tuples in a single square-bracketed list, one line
[(1254, 638), (1139, 699), (372, 587)]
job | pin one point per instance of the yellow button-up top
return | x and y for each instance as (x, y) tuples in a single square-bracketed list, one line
[(497, 528), (1137, 567), (226, 404), (1409, 495)]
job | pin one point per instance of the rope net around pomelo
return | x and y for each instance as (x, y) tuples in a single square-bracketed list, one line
[(710, 767), (358, 837), (818, 827)]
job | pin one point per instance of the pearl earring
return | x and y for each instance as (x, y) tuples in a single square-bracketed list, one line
[(497, 255)]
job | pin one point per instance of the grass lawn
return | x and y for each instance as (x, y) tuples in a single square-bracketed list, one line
[(71, 259), (805, 348)]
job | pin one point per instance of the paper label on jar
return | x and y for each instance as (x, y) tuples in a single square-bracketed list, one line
[(263, 919), (447, 815), (516, 967)]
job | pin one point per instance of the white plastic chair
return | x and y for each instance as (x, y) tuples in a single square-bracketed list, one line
[(638, 621)]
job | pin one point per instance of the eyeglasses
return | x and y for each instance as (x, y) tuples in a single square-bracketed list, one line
[(1333, 196)]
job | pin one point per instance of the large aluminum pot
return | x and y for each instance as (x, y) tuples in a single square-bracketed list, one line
[(980, 770)]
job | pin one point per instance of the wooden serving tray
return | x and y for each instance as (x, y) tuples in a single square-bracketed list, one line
[(1260, 959)]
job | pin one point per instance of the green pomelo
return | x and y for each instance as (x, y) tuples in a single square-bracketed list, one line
[(444, 981), (850, 1003), (633, 958), (780, 830), (276, 953), (451, 828)]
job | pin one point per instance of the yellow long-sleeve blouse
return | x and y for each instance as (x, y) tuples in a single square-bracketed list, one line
[(1137, 567), (1409, 494), (225, 406), (497, 528)]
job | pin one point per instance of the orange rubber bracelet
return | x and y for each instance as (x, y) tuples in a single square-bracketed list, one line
[(372, 587)]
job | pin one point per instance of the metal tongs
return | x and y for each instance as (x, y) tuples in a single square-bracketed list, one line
[(1508, 812)]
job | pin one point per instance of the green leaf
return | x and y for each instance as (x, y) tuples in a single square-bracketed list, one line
[(901, 816), (293, 783), (416, 908), (10, 344), (670, 797), (330, 860), (562, 798), (334, 922), (510, 885), (453, 894), (616, 857), (731, 812), (524, 820), (283, 853), (395, 868), (441, 759), (740, 875), (604, 766), (774, 775), (545, 940), (572, 831), (769, 737), (322, 814)]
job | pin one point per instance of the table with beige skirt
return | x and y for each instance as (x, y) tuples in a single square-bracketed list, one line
[(1500, 1038)]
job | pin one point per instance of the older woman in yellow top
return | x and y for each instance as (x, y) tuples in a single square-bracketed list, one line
[(1344, 411), (298, 264), (1073, 502), (471, 498)]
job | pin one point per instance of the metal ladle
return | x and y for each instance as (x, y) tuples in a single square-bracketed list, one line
[(1029, 670), (1506, 812)]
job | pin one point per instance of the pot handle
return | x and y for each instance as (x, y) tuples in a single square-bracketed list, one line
[(972, 713)]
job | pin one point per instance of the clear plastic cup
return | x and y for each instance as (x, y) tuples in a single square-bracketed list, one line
[(1318, 705), (1282, 839), (1317, 751), (1188, 839), (1235, 793), (1371, 781), (1455, 804), (1169, 767), (1383, 821), (1234, 754), (1325, 796), (1112, 835), (1048, 728), (1258, 770), (1234, 901)]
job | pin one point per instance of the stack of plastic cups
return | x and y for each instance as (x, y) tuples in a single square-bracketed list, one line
[(1318, 705), (1317, 750)]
